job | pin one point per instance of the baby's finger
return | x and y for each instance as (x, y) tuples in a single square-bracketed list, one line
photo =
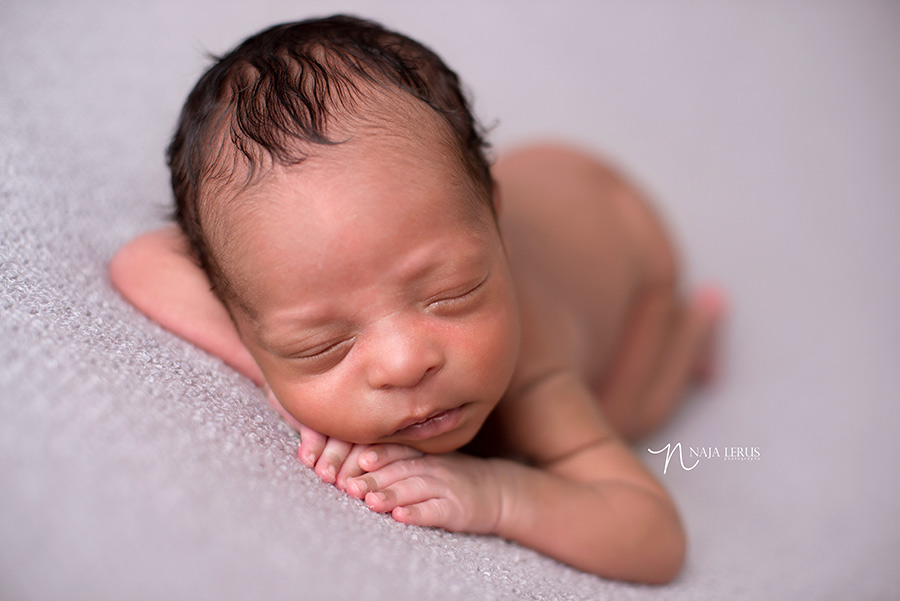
[(331, 459), (403, 492), (350, 469), (431, 513), (376, 457), (386, 476), (311, 445)]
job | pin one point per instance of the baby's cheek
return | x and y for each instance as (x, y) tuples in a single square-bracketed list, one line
[(495, 343), (505, 333), (312, 410), (333, 408)]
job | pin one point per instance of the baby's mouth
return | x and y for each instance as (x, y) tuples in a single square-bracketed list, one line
[(433, 425)]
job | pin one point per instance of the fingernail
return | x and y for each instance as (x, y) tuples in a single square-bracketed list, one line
[(369, 457), (375, 497), (359, 486), (326, 473)]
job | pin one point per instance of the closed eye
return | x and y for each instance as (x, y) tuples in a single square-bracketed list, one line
[(327, 350), (457, 299)]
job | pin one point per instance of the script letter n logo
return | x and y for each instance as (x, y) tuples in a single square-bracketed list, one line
[(670, 450)]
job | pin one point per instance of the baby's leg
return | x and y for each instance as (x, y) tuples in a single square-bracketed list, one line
[(615, 264), (667, 344), (667, 339)]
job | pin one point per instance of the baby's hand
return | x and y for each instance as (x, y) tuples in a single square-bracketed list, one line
[(336, 461), (333, 460), (453, 491)]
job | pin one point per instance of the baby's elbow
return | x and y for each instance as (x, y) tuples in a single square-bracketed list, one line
[(669, 559), (137, 269), (120, 268), (664, 556), (654, 555)]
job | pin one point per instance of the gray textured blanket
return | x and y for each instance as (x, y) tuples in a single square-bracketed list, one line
[(134, 466)]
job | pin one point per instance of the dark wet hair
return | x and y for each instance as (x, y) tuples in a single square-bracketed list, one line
[(275, 94)]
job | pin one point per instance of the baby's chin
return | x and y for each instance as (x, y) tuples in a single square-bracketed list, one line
[(436, 447)]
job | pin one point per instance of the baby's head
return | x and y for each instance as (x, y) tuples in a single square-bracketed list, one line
[(332, 182), (293, 91)]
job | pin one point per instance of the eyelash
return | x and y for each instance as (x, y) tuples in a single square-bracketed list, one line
[(460, 297), (332, 348), (325, 352)]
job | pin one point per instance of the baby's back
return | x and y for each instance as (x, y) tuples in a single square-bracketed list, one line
[(583, 243)]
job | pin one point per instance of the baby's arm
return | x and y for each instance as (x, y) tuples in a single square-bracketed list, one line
[(592, 504), (158, 275)]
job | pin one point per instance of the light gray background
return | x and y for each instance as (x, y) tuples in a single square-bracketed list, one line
[(133, 466)]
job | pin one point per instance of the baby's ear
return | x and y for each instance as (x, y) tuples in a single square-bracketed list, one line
[(496, 197)]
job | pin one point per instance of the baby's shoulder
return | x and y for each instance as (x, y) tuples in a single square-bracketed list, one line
[(549, 417)]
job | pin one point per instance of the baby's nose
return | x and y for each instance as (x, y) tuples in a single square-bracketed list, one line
[(403, 359)]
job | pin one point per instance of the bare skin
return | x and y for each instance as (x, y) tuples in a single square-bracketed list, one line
[(601, 348)]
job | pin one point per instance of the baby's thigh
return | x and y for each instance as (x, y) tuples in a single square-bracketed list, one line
[(654, 249)]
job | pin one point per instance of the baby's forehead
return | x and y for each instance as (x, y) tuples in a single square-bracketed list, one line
[(364, 170), (302, 240), (403, 131)]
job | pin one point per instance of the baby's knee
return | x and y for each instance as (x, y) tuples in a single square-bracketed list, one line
[(663, 263)]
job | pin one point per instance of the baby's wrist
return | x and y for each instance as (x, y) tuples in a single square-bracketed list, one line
[(506, 484)]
